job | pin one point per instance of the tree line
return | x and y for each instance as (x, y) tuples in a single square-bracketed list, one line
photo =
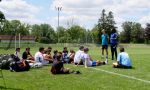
[(133, 32)]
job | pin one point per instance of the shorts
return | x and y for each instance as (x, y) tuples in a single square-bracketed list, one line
[(94, 63), (104, 46)]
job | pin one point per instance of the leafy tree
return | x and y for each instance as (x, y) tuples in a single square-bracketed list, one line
[(106, 22), (147, 33), (125, 35), (76, 33), (44, 31), (137, 33), (95, 34), (35, 31), (2, 20)]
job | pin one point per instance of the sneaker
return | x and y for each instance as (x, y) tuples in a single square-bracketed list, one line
[(106, 62)]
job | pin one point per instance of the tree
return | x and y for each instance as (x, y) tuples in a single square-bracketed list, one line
[(147, 33), (62, 34), (111, 22), (106, 22), (76, 34), (125, 35), (95, 35), (2, 20), (44, 32), (35, 31), (137, 33), (102, 22)]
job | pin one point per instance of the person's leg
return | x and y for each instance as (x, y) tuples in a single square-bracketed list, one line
[(112, 52), (115, 51), (66, 71), (106, 49), (102, 51), (100, 63), (115, 65)]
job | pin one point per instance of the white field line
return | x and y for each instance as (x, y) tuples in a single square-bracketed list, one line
[(122, 75)]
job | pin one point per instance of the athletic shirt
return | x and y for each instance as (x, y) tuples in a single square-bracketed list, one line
[(113, 39), (39, 57), (78, 56), (104, 39), (87, 60), (123, 59)]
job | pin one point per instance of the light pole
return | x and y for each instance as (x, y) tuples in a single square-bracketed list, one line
[(58, 9)]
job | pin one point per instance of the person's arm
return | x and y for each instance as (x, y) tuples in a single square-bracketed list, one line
[(119, 59), (47, 58)]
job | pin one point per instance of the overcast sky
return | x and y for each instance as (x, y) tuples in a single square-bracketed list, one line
[(82, 12)]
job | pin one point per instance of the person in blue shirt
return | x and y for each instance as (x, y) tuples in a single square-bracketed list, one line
[(105, 39), (123, 60), (113, 43)]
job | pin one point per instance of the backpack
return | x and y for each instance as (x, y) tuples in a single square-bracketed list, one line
[(5, 61), (19, 66)]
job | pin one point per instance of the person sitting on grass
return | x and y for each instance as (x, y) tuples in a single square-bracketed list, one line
[(17, 53), (123, 60), (39, 57), (78, 56), (58, 67), (55, 55), (47, 57), (27, 55), (88, 61), (65, 56), (71, 56)]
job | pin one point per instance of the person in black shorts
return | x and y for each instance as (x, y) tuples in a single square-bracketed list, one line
[(105, 39)]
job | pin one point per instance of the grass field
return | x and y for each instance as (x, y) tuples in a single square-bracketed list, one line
[(98, 78)]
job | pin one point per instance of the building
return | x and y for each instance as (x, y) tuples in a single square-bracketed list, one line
[(23, 39)]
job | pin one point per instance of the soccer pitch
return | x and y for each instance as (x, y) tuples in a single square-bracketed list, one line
[(95, 78)]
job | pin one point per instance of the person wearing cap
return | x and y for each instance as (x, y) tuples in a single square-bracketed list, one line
[(105, 39), (78, 56), (123, 60), (88, 61)]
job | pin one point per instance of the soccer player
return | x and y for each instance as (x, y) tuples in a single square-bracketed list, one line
[(105, 39), (113, 43)]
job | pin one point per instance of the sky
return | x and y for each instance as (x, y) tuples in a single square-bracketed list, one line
[(82, 12)]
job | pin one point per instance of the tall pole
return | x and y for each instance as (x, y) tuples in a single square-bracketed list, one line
[(19, 40), (58, 9)]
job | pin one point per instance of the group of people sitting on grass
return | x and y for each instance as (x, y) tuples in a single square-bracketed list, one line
[(81, 57)]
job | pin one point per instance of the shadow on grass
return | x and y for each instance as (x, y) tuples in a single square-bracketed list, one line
[(6, 88), (126, 68)]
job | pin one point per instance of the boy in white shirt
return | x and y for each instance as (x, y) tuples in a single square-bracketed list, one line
[(88, 62), (78, 56), (39, 57)]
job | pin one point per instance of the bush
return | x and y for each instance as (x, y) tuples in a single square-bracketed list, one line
[(44, 40)]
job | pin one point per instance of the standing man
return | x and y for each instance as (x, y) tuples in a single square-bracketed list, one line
[(113, 43), (105, 39)]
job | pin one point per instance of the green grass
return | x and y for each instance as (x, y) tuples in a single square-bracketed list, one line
[(90, 79)]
